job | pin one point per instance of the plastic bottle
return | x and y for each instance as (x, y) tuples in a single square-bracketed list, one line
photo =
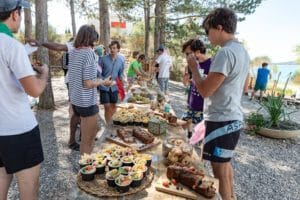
[(167, 108)]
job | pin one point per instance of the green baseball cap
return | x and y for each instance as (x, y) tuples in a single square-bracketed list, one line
[(8, 5)]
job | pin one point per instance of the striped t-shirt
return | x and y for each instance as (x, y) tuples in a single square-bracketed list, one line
[(82, 66)]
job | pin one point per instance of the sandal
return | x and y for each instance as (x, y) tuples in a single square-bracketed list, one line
[(74, 146)]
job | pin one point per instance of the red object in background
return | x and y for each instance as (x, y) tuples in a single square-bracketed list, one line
[(120, 89), (118, 24)]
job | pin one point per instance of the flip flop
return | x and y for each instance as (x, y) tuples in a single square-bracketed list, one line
[(74, 146)]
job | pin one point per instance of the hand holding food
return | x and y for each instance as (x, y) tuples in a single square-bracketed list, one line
[(192, 62), (40, 68)]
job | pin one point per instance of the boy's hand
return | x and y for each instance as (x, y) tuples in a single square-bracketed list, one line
[(192, 63), (41, 69), (186, 79)]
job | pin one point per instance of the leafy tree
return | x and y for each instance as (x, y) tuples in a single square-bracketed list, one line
[(179, 20), (132, 10), (257, 61), (296, 77), (71, 4), (297, 51)]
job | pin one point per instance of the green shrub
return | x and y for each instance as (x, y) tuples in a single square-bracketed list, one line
[(274, 105), (255, 121)]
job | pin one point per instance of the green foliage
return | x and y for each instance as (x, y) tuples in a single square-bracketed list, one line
[(177, 70), (297, 51), (184, 17), (296, 77), (255, 121), (274, 106), (131, 10), (136, 39), (257, 61)]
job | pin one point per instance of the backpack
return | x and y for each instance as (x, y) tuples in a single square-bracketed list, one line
[(65, 62)]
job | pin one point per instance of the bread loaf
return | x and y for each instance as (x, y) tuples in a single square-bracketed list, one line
[(191, 178)]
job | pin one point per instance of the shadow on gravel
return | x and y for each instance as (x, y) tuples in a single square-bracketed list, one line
[(48, 177)]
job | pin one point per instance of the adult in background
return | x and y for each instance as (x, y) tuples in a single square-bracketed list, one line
[(83, 85), (222, 90), (112, 67), (195, 101), (20, 145), (74, 119), (164, 62), (261, 80)]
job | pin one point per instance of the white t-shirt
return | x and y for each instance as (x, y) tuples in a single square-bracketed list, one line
[(165, 63), (16, 116)]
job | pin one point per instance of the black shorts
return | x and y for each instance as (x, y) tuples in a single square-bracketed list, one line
[(220, 140), (85, 111), (18, 152), (108, 96)]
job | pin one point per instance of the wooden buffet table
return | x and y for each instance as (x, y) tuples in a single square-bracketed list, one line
[(157, 163)]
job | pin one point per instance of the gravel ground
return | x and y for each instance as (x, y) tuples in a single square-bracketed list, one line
[(264, 168)]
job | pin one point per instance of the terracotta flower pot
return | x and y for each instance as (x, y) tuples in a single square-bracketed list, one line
[(279, 134)]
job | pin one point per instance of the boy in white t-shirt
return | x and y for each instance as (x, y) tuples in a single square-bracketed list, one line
[(20, 145)]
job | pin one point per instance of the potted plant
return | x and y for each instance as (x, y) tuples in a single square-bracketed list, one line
[(276, 122)]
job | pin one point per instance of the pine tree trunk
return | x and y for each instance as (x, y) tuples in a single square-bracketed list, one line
[(157, 12), (163, 21), (104, 24), (72, 9), (46, 100), (147, 26), (160, 23), (28, 23)]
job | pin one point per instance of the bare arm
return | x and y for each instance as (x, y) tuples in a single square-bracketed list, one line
[(210, 84), (246, 84), (137, 72), (35, 85), (55, 46), (91, 84), (49, 45)]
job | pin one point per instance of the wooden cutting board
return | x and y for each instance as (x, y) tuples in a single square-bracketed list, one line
[(185, 192), (138, 145)]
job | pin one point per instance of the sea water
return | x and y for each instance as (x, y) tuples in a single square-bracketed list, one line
[(276, 69)]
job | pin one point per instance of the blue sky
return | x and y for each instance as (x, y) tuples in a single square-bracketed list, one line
[(273, 30)]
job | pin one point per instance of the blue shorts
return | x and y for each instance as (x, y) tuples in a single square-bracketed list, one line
[(220, 140), (109, 97), (260, 86), (85, 111), (19, 152)]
